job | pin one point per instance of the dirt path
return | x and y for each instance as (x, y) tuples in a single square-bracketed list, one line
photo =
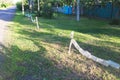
[(6, 16)]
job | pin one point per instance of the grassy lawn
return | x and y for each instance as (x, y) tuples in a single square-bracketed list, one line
[(42, 54)]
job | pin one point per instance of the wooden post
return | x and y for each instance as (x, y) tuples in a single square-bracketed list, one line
[(72, 36), (37, 22), (31, 18)]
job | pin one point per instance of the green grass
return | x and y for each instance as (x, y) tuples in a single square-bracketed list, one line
[(43, 54)]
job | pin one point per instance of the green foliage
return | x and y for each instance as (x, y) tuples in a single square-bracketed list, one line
[(91, 3), (6, 3), (19, 6), (47, 10), (55, 15), (67, 2), (3, 5)]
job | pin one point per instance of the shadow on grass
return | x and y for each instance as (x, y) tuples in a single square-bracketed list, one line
[(29, 65), (102, 52), (99, 51), (2, 60), (86, 26), (63, 41), (93, 27), (45, 37)]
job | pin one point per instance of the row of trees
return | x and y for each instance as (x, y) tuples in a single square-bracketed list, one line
[(38, 7)]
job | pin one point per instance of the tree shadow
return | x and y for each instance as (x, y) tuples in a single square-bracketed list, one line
[(64, 41), (92, 27), (29, 65), (86, 26), (2, 59), (100, 51)]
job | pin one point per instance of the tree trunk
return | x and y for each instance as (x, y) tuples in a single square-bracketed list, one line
[(38, 6), (112, 7), (31, 5), (23, 12), (78, 10)]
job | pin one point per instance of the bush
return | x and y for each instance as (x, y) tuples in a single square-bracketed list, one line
[(47, 10), (55, 15), (3, 5), (114, 22), (39, 13), (19, 6)]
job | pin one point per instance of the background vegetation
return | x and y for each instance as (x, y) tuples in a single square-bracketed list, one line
[(46, 7), (5, 3)]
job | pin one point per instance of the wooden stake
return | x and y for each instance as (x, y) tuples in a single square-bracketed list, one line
[(37, 23), (72, 36)]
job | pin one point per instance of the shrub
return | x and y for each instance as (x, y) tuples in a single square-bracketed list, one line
[(39, 13), (55, 15), (3, 5), (114, 22), (19, 6), (47, 10)]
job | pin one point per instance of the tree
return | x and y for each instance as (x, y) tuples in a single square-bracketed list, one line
[(78, 10), (23, 12), (31, 3)]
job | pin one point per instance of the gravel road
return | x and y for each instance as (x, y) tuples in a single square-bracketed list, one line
[(6, 16)]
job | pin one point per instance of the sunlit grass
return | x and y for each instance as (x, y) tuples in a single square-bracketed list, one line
[(43, 54)]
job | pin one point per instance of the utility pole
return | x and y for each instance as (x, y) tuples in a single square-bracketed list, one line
[(23, 12), (78, 10)]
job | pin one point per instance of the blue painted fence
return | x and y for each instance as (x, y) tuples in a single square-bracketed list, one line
[(67, 9), (103, 12), (64, 9)]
